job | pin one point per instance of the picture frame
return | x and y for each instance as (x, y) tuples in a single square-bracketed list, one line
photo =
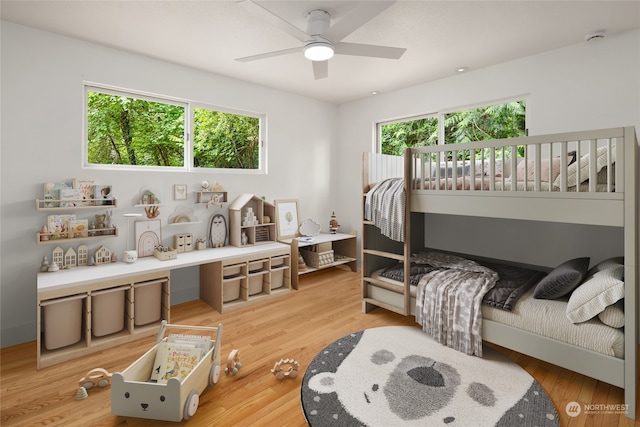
[(287, 218), (180, 192)]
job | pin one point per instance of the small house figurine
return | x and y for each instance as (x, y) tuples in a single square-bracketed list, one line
[(333, 223)]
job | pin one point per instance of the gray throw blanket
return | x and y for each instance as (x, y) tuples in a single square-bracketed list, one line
[(385, 205), (448, 302)]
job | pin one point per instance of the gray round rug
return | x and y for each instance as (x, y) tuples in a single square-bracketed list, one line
[(399, 376)]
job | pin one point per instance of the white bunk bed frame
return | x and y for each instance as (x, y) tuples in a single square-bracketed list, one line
[(617, 206)]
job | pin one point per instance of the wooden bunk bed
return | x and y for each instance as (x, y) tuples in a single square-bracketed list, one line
[(588, 177)]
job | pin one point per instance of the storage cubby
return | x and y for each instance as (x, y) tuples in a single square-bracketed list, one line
[(252, 217), (77, 320), (324, 250), (233, 283), (147, 302), (62, 321), (279, 267), (108, 311)]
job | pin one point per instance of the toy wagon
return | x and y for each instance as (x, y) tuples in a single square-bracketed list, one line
[(133, 395)]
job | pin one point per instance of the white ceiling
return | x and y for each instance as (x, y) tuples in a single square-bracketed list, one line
[(440, 36)]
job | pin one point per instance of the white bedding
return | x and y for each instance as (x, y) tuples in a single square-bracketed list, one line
[(543, 317), (484, 184)]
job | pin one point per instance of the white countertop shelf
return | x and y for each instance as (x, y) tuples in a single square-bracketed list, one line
[(86, 275)]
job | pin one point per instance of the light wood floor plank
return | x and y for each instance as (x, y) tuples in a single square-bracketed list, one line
[(298, 325)]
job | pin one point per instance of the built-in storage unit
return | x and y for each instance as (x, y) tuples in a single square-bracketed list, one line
[(251, 221), (233, 283), (88, 317), (82, 310)]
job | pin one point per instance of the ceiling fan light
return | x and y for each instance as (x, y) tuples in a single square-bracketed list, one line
[(318, 51)]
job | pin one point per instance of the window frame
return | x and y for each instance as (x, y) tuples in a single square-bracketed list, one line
[(440, 115), (188, 153), (377, 142)]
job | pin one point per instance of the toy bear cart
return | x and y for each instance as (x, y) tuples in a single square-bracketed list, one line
[(133, 395)]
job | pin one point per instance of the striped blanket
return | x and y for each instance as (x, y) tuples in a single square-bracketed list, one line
[(449, 298), (384, 206)]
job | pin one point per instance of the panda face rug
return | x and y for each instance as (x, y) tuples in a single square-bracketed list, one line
[(399, 376)]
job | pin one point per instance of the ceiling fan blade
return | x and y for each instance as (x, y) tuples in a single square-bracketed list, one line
[(274, 19), (269, 54), (363, 13), (320, 69), (357, 49)]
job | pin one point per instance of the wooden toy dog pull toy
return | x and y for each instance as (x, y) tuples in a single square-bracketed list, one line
[(233, 363), (290, 372)]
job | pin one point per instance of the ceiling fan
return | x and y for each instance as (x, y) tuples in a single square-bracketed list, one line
[(321, 40)]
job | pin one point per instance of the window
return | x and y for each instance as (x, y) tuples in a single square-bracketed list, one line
[(225, 140), (396, 136), (504, 120), (130, 130)]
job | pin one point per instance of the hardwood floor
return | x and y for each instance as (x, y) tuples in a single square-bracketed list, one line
[(299, 325)]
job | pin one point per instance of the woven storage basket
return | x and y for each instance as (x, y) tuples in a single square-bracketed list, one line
[(317, 259)]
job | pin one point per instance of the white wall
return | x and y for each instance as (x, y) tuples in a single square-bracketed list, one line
[(42, 119), (315, 148), (580, 87)]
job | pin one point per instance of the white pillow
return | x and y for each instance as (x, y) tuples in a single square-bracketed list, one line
[(606, 264), (574, 177), (613, 315), (598, 292)]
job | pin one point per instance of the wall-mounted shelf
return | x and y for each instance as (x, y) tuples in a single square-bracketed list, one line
[(171, 224), (45, 205), (211, 197), (148, 205), (55, 238), (94, 233)]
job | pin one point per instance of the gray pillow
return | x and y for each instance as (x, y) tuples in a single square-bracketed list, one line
[(563, 279), (597, 293)]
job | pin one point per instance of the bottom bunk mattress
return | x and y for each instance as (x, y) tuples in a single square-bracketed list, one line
[(511, 303)]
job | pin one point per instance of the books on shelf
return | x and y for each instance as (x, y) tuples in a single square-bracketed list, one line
[(70, 197), (86, 189), (78, 228), (59, 224), (51, 191), (76, 192), (103, 195), (177, 356)]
